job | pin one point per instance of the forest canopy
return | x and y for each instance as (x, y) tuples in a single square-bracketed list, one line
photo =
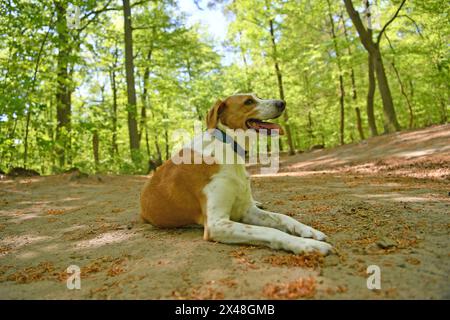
[(101, 85)]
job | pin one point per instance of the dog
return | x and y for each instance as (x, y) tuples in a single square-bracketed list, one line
[(218, 196)]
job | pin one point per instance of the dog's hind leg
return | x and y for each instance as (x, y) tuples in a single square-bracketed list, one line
[(259, 217)]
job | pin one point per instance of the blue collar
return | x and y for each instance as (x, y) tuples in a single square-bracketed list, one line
[(222, 136)]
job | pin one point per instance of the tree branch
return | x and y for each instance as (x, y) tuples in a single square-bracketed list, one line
[(105, 8), (364, 34), (389, 22), (414, 22)]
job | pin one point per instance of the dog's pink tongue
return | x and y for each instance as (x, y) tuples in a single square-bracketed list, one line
[(268, 126)]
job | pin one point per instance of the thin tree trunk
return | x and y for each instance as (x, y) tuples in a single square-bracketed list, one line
[(114, 146), (443, 99), (342, 109), (341, 78), (352, 71), (244, 60), (281, 88), (352, 78), (310, 129), (63, 92), (390, 118), (158, 148), (145, 77), (370, 98), (31, 90), (166, 140), (155, 139), (359, 123), (402, 86), (403, 91), (131, 90), (147, 144), (95, 148), (189, 72)]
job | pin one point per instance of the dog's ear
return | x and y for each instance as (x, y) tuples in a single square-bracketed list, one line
[(213, 115)]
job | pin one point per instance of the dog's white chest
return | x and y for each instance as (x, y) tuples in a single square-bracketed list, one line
[(230, 188), (243, 198)]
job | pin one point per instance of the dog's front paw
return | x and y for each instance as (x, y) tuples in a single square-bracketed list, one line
[(318, 246), (308, 232), (300, 245), (318, 235)]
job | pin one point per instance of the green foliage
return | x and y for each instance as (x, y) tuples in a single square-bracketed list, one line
[(179, 74)]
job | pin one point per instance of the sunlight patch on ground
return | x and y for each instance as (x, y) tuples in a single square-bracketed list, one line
[(73, 228), (287, 174), (418, 153), (104, 239), (34, 253), (22, 240), (395, 197), (18, 218), (28, 255)]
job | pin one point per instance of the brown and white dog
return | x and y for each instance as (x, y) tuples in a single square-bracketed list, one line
[(218, 196)]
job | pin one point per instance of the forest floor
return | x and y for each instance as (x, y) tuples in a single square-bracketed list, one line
[(383, 202)]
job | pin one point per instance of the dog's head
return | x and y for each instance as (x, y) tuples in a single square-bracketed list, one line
[(245, 111)]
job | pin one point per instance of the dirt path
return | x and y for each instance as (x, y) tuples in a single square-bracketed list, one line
[(384, 202)]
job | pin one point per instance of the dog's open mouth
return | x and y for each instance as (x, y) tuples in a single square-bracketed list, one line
[(257, 125)]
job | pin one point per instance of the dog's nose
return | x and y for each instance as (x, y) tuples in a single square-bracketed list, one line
[(280, 104)]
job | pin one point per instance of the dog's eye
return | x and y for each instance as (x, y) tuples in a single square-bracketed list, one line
[(249, 102)]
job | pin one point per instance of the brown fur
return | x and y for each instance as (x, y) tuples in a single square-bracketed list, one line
[(173, 196), (232, 112)]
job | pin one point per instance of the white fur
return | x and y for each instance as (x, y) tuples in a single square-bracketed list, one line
[(267, 109), (232, 217)]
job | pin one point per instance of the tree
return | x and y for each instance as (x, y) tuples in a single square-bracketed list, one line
[(281, 87), (63, 90), (373, 48), (341, 77), (131, 90)]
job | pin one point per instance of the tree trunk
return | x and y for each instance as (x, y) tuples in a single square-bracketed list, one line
[(341, 78), (63, 92), (189, 72), (370, 98), (359, 123), (390, 119), (114, 146), (131, 90), (158, 149), (31, 90), (403, 91), (352, 78), (145, 77), (402, 86), (342, 109), (166, 140), (310, 129), (281, 88), (244, 61), (352, 71), (95, 148)]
